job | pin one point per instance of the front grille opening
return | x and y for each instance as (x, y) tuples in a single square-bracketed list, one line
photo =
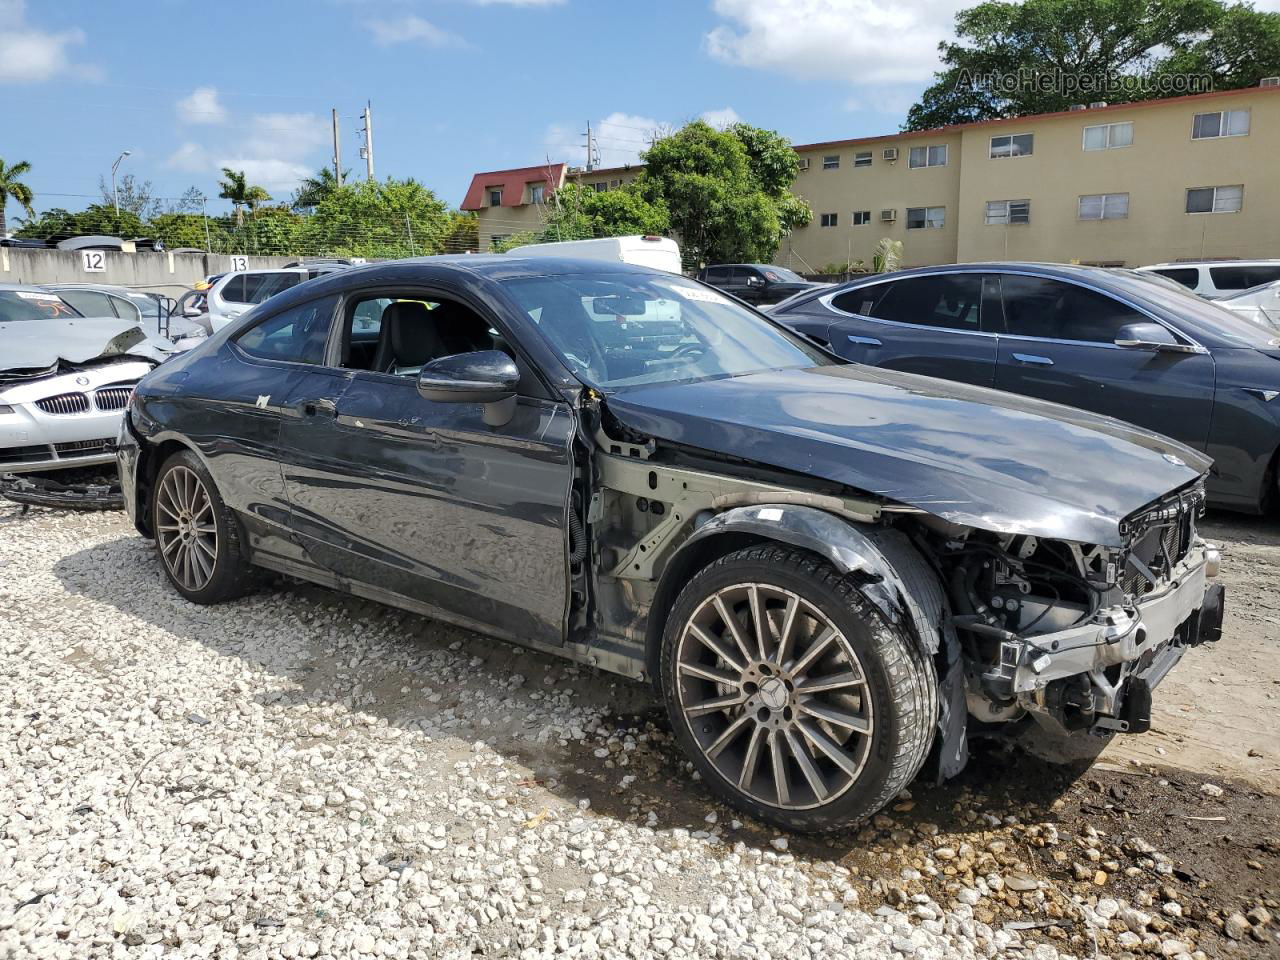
[(112, 398), (86, 447), (31, 454), (1162, 535), (64, 404)]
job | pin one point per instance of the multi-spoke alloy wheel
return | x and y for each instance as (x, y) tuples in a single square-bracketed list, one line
[(796, 699), (185, 529), (197, 536), (775, 695)]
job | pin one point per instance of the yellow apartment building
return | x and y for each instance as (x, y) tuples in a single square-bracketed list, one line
[(1185, 178)]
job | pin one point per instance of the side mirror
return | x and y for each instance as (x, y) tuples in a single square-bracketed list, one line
[(755, 282), (1151, 336), (489, 377)]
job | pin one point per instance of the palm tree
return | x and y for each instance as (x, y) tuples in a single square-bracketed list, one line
[(237, 189), (12, 187), (316, 188), (234, 186)]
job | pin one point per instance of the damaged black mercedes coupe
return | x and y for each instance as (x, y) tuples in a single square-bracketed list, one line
[(833, 574)]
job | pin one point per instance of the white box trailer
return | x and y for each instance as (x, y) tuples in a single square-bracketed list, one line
[(660, 253)]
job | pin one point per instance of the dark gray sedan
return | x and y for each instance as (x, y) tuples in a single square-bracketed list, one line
[(1103, 340), (824, 568)]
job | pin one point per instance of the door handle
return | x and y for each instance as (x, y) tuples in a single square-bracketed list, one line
[(320, 406), (866, 341), (1033, 359)]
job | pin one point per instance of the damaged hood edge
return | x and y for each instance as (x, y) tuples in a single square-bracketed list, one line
[(40, 345), (972, 456)]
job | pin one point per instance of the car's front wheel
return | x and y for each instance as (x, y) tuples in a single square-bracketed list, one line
[(796, 700), (197, 536)]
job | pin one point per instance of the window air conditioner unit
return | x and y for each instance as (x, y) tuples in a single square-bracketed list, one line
[(889, 153), (804, 163), (1096, 104), (1269, 82), (888, 216), (1077, 106)]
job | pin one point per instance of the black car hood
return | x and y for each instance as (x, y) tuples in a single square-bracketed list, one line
[(979, 457)]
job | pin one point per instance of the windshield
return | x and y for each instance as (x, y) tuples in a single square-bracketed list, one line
[(1251, 291), (33, 305), (782, 275), (627, 329)]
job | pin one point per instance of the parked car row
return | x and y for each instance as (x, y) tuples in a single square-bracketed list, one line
[(830, 571)]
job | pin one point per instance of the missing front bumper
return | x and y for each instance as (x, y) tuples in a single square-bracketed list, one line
[(1099, 676), (102, 493)]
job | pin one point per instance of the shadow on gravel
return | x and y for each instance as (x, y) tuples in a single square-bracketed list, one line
[(1007, 778)]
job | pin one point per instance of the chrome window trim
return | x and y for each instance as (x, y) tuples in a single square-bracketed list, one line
[(827, 298)]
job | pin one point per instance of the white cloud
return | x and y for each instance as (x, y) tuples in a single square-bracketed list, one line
[(720, 119), (202, 106), (411, 29), (619, 138), (31, 55), (276, 150), (875, 42), (518, 3)]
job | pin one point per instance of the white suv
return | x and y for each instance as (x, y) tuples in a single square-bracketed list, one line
[(1216, 278), (234, 293)]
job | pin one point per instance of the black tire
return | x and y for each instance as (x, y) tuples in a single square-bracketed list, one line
[(897, 697), (187, 513)]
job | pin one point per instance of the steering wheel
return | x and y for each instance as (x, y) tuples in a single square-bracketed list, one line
[(688, 351)]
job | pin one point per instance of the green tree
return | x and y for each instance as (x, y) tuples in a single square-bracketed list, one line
[(135, 196), (576, 213), (97, 218), (462, 234), (387, 218), (1243, 47), (1078, 50), (12, 188), (725, 191), (234, 186), (315, 188)]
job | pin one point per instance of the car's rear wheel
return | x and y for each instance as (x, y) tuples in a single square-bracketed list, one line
[(797, 702), (196, 534)]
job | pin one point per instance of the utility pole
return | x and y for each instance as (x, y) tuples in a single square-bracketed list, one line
[(115, 194), (367, 150), (337, 151), (591, 153)]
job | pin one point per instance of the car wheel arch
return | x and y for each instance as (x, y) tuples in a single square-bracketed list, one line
[(871, 554), (152, 454)]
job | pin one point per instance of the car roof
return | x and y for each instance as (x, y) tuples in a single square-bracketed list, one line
[(1212, 263), (25, 287)]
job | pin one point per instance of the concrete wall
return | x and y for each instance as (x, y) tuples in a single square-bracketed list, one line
[(169, 273)]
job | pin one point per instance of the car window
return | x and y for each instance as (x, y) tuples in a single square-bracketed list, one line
[(397, 335), (1187, 276), (950, 300), (1236, 277), (125, 308), (861, 300), (621, 330), (17, 305), (257, 287), (1052, 309), (90, 303), (297, 334), (717, 274), (783, 275)]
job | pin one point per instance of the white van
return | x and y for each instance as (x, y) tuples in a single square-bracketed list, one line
[(660, 253), (1260, 304), (1215, 278)]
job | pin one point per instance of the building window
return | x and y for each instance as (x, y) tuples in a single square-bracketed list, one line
[(537, 193), (1104, 206), (831, 163), (1014, 145), (828, 219), (614, 184), (495, 197), (861, 217), (1215, 199), (926, 218), (1108, 136), (1224, 123), (1008, 211), (862, 159), (928, 157), (600, 186)]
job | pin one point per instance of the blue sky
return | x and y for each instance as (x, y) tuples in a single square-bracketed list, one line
[(457, 86)]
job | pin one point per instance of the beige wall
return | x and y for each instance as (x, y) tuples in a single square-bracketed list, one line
[(504, 221), (882, 186), (1155, 171)]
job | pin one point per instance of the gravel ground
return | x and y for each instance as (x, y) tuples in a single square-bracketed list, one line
[(305, 774)]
